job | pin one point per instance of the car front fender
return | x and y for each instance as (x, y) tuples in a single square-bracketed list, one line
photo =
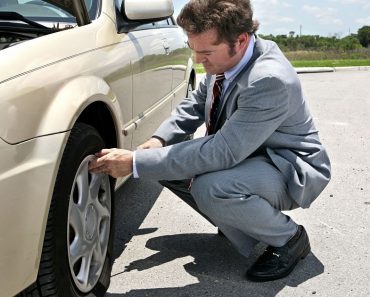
[(53, 109)]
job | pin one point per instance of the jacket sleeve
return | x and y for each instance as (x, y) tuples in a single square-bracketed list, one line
[(261, 108), (186, 118)]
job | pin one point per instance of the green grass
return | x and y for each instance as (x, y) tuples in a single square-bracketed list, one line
[(331, 63), (313, 55), (199, 68), (316, 63)]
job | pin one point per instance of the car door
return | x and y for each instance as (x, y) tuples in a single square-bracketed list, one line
[(152, 81), (179, 53)]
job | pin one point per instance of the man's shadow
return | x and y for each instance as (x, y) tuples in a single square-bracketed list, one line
[(219, 269), (133, 202)]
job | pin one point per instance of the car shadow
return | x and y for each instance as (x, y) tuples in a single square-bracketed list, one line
[(218, 268)]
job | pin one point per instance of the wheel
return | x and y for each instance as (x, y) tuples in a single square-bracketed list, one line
[(77, 252)]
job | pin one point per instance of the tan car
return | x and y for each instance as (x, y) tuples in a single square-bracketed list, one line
[(75, 76)]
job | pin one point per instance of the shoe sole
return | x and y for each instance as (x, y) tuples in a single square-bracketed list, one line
[(272, 278)]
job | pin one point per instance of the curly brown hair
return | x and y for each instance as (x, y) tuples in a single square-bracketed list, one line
[(229, 18)]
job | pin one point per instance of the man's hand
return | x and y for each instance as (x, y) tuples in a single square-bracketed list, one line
[(115, 162), (153, 142)]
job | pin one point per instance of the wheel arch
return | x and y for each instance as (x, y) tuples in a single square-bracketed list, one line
[(87, 99), (99, 116)]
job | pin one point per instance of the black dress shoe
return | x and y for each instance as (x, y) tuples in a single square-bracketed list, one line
[(220, 233), (278, 262)]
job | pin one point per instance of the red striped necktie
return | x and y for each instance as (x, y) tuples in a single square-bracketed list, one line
[(217, 91)]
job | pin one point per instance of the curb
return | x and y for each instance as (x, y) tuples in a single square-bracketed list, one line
[(331, 69), (301, 70), (352, 68), (314, 69)]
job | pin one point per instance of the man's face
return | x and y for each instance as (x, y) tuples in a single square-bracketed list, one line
[(216, 57)]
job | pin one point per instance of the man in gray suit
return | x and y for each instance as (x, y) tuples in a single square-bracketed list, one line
[(262, 153)]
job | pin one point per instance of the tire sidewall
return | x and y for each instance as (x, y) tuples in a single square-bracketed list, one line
[(83, 141)]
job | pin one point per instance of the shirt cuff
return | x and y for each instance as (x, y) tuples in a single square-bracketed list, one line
[(134, 169)]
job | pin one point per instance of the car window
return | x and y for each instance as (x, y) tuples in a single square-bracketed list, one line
[(159, 24), (93, 7), (171, 21), (165, 23)]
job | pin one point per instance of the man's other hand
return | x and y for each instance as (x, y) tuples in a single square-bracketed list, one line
[(153, 142), (115, 162)]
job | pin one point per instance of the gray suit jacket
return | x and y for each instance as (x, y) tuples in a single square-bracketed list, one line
[(263, 111)]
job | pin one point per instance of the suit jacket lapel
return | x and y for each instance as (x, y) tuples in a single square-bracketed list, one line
[(257, 51)]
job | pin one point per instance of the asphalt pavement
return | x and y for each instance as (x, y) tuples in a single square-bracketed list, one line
[(165, 249)]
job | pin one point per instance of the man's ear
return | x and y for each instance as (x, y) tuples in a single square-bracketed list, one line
[(243, 40)]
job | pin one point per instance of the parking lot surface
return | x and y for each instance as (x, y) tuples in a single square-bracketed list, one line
[(165, 249)]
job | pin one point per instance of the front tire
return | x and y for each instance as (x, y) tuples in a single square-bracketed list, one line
[(76, 259)]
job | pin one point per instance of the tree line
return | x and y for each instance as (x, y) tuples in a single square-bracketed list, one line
[(318, 43)]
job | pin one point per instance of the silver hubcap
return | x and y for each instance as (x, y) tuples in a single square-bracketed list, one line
[(89, 217)]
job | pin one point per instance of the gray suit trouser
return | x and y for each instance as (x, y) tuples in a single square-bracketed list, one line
[(245, 202)]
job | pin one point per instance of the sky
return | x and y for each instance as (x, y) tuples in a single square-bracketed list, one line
[(315, 17)]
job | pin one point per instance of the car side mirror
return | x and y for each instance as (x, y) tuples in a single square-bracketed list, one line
[(147, 10), (134, 13)]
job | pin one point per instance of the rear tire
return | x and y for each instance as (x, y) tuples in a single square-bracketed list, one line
[(76, 258), (190, 87)]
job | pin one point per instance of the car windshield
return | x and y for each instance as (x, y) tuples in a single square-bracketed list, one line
[(37, 10), (45, 12)]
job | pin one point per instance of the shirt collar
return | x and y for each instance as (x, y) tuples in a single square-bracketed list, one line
[(231, 73)]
